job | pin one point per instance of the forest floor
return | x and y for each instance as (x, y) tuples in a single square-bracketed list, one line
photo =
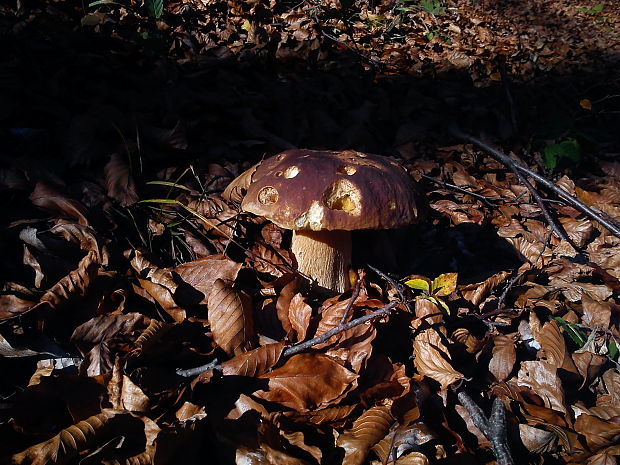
[(134, 331)]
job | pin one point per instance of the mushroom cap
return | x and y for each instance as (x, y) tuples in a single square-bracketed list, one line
[(322, 190)]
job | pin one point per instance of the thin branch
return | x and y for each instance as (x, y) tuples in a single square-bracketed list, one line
[(392, 283), (604, 220), (354, 296), (297, 348)]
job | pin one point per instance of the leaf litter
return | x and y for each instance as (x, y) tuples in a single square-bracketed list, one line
[(144, 319)]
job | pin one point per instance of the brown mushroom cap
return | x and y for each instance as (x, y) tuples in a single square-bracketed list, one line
[(321, 190)]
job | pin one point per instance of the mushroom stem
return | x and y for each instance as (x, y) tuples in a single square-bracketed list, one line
[(324, 256)]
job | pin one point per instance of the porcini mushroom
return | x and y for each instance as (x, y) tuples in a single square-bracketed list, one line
[(322, 196)]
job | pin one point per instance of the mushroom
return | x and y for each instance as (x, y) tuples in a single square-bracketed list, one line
[(322, 196)]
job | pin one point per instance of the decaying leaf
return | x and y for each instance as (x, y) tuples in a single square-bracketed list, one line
[(308, 381), (372, 426), (75, 284), (231, 319)]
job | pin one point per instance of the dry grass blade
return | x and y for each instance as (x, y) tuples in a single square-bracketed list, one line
[(230, 315), (66, 445), (372, 426), (75, 284)]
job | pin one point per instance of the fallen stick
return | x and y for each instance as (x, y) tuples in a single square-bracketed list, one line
[(609, 223)]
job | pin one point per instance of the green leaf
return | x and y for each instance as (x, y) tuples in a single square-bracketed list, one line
[(419, 284), (572, 331), (440, 303), (612, 347), (154, 8), (104, 2), (444, 284), (568, 149)]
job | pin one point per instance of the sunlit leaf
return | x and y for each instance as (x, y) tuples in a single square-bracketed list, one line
[(419, 284), (444, 284)]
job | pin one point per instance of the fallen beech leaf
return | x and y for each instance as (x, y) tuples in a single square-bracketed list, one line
[(95, 339), (48, 198), (66, 445), (504, 357), (589, 365), (254, 362), (404, 441), (542, 378), (85, 236), (353, 346), (555, 351), (231, 319), (598, 433), (299, 316), (476, 293), (537, 440), (75, 284), (202, 273), (372, 426), (124, 394), (602, 459), (326, 415), (432, 359), (308, 381), (12, 306), (236, 190), (119, 182)]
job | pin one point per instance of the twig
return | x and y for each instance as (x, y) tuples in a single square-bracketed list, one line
[(354, 296), (297, 348), (493, 428), (609, 223), (191, 372), (486, 198), (392, 283)]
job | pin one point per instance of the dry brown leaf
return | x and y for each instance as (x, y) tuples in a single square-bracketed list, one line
[(119, 182), (537, 440), (602, 459), (353, 346), (221, 219), (202, 273), (237, 189), (432, 358), (75, 284), (66, 445), (254, 362), (504, 356), (541, 377), (30, 260), (403, 441), (231, 319), (85, 236), (12, 306), (595, 312), (372, 426), (589, 365), (95, 339), (308, 381), (124, 394), (554, 347), (476, 293), (326, 415), (284, 302), (598, 433), (48, 198), (299, 313)]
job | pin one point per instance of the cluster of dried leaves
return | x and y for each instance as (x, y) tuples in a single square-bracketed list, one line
[(487, 39), (137, 362)]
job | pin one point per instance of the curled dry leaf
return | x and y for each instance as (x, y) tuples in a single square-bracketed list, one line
[(504, 356), (554, 347), (308, 381), (476, 293), (326, 415), (75, 284), (66, 445), (236, 190), (372, 426), (119, 182), (432, 358), (85, 236), (254, 362), (402, 441), (231, 319), (12, 306), (589, 365), (537, 440), (299, 316), (124, 394), (48, 198)]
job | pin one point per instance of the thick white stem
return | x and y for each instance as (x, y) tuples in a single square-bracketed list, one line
[(324, 256)]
